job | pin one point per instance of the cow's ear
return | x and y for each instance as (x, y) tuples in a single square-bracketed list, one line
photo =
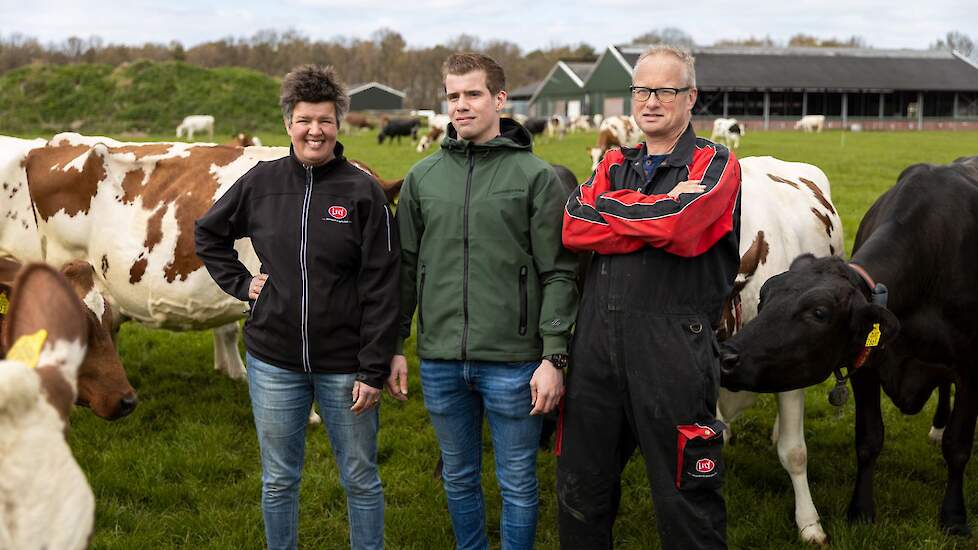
[(801, 261), (865, 319), (44, 301)]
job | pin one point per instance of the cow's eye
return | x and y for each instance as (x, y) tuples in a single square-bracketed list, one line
[(820, 314)]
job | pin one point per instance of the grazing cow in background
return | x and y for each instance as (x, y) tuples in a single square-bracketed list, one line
[(102, 382), (615, 131), (786, 210), (912, 337), (811, 123), (129, 209), (536, 125), (358, 121), (46, 499), (433, 135), (557, 127), (727, 131), (607, 139), (434, 120), (596, 120), (196, 123), (245, 140), (625, 129), (580, 123), (398, 128)]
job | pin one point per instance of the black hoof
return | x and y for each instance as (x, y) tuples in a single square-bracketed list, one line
[(957, 529), (858, 516)]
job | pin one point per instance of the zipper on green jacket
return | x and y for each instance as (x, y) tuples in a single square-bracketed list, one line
[(465, 253), (523, 300), (421, 302)]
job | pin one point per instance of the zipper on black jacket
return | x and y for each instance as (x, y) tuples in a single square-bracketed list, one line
[(523, 299), (421, 302), (304, 275), (465, 254)]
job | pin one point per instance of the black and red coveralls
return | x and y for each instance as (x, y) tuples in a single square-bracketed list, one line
[(644, 360)]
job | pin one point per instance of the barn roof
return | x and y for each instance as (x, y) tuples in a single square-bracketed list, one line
[(357, 88), (581, 69), (825, 69), (524, 92)]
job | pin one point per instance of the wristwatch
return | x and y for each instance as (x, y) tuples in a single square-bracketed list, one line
[(559, 360)]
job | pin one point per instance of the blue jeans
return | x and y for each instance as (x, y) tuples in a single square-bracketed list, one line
[(280, 401), (456, 394)]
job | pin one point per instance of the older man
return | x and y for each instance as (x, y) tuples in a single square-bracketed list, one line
[(663, 222)]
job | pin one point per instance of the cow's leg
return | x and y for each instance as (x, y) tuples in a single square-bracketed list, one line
[(226, 356), (794, 458), (869, 443), (941, 414), (956, 444), (730, 405)]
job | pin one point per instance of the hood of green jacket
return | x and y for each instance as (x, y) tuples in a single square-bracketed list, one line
[(512, 135)]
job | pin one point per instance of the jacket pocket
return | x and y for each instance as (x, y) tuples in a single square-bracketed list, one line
[(699, 456), (421, 301), (523, 300)]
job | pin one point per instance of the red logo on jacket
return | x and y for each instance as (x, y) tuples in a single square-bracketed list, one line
[(705, 465), (337, 212)]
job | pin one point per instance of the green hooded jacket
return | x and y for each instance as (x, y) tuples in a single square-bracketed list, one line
[(481, 253)]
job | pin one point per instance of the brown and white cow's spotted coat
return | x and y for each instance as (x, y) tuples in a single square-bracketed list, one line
[(129, 209)]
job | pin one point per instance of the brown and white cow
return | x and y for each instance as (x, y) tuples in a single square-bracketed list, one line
[(45, 499), (245, 140), (430, 138), (129, 210), (102, 382), (622, 129), (786, 210)]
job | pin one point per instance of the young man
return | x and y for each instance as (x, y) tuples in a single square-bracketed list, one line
[(663, 221), (323, 309), (496, 297)]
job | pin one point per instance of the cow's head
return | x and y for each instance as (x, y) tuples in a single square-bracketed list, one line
[(811, 319), (102, 382), (46, 328)]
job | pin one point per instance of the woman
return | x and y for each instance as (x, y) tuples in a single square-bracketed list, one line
[(323, 308)]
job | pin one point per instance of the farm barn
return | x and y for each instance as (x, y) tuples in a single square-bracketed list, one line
[(374, 96), (772, 88)]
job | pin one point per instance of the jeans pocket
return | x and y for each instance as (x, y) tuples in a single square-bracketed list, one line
[(699, 456)]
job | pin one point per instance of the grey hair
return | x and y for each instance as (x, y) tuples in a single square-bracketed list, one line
[(313, 84), (682, 54)]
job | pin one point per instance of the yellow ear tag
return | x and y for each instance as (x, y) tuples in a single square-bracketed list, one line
[(4, 303), (27, 348), (873, 339)]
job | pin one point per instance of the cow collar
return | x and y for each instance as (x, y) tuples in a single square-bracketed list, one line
[(878, 294)]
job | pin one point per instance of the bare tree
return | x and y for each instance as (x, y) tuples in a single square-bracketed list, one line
[(956, 40), (667, 35)]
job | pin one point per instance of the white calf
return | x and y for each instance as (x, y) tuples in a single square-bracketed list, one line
[(196, 123), (811, 123)]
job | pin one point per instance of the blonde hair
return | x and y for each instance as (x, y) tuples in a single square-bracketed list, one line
[(682, 54)]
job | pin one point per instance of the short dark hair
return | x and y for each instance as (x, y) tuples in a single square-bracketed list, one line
[(313, 84), (465, 63)]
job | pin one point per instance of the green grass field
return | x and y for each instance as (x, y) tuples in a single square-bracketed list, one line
[(183, 470)]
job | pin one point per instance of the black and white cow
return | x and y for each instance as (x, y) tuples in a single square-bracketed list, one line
[(919, 240)]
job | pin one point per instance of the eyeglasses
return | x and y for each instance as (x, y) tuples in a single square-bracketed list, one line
[(664, 95)]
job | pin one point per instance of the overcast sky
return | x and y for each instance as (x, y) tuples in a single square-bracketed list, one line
[(529, 23)]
